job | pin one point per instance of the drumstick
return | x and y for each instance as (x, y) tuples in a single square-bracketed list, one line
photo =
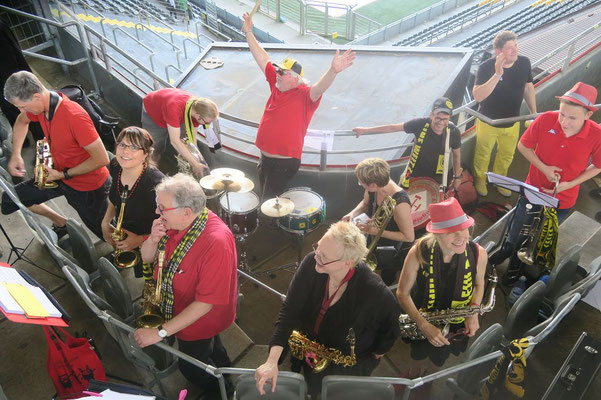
[(255, 8)]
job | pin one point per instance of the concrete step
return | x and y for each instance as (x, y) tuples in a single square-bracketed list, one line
[(236, 342), (580, 229)]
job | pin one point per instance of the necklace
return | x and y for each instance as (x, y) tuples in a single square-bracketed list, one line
[(134, 185)]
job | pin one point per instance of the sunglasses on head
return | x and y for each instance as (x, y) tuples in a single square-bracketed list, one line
[(282, 72)]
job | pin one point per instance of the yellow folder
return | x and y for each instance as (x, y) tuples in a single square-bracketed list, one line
[(32, 306)]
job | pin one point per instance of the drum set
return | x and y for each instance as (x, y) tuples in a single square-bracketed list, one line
[(298, 210)]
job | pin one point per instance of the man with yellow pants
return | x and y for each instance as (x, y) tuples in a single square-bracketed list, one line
[(501, 84)]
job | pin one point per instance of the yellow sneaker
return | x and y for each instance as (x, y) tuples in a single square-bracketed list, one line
[(504, 192)]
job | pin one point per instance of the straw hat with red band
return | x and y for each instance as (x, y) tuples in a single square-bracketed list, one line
[(447, 217), (581, 94)]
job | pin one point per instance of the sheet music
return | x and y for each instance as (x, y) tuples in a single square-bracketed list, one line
[(533, 195), (11, 305), (109, 394), (318, 139)]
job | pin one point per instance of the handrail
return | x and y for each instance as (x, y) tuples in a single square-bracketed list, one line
[(200, 48), (150, 56), (167, 70), (173, 46), (264, 286), (215, 31)]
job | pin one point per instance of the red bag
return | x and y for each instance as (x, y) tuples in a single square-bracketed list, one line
[(73, 364), (466, 195)]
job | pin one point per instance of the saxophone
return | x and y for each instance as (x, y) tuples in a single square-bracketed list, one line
[(123, 258), (152, 317), (43, 159), (303, 348), (442, 318), (380, 219), (183, 165)]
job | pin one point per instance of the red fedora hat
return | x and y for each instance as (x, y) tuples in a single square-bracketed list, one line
[(581, 94), (448, 216)]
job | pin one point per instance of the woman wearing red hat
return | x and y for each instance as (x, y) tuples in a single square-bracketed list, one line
[(448, 270)]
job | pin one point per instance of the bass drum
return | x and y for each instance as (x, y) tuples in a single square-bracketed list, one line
[(243, 211), (309, 211), (422, 192)]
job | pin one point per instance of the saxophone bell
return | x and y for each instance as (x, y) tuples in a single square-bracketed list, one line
[(318, 355), (152, 317), (380, 220), (123, 258)]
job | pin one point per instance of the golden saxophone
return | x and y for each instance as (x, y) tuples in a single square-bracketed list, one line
[(43, 159), (183, 165), (380, 220), (152, 317), (442, 318), (303, 348), (123, 258)]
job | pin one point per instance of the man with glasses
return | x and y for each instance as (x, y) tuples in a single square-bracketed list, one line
[(428, 151), (288, 112), (77, 152), (199, 284)]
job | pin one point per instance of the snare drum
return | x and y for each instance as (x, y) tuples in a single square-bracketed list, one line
[(309, 211), (243, 211), (422, 192)]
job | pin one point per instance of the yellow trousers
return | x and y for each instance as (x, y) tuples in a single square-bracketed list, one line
[(487, 136)]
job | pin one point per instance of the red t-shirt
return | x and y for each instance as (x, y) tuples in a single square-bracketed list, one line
[(287, 115), (167, 106), (571, 154), (70, 130), (207, 273)]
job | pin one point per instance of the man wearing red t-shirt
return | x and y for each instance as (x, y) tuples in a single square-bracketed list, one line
[(288, 112), (199, 280), (563, 146), (79, 157)]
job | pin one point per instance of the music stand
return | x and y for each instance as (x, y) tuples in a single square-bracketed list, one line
[(531, 193)]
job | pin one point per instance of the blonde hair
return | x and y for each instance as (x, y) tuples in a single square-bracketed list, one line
[(373, 170), (353, 242), (425, 241), (205, 107)]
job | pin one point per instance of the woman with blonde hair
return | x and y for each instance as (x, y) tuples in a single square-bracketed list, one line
[(175, 114), (131, 168), (333, 291), (374, 176), (447, 270)]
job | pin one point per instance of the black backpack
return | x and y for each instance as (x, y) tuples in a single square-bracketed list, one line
[(105, 124)]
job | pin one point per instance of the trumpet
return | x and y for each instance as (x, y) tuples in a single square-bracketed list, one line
[(380, 219), (43, 159), (123, 258), (153, 317)]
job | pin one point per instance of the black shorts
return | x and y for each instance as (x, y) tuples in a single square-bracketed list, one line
[(421, 349), (90, 205)]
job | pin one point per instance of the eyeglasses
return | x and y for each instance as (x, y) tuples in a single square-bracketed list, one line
[(162, 210), (131, 147), (457, 336), (315, 246), (282, 72), (437, 119)]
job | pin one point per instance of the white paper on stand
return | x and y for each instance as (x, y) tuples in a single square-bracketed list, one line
[(319, 140)]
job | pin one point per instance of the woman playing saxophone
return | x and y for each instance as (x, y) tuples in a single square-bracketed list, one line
[(131, 168), (344, 311), (454, 266)]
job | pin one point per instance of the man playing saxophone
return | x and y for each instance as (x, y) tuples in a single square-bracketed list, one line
[(454, 266), (78, 154), (132, 171), (396, 238), (334, 294), (199, 279)]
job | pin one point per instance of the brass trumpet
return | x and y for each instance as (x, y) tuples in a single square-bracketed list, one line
[(152, 317), (380, 219), (123, 258), (43, 159)]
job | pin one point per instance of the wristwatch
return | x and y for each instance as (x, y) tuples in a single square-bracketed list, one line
[(162, 332), (66, 174)]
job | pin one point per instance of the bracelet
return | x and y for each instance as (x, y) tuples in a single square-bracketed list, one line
[(499, 76), (66, 174), (475, 305), (458, 176)]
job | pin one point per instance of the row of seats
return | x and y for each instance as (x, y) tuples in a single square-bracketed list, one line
[(524, 21), (448, 25)]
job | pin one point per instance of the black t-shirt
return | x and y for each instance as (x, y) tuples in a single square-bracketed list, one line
[(400, 197), (430, 160), (506, 98), (366, 305), (141, 204)]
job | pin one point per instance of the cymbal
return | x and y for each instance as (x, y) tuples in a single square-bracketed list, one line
[(227, 173), (239, 185), (277, 207)]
